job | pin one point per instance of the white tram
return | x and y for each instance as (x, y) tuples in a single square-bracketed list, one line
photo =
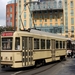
[(23, 49)]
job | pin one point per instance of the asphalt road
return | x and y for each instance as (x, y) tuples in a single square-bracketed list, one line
[(62, 68)]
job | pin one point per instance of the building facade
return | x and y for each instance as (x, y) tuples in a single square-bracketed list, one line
[(10, 14), (69, 18), (24, 19), (48, 16)]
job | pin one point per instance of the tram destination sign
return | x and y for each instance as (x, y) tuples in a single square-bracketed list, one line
[(7, 34)]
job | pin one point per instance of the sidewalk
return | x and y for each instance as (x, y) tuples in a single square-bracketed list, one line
[(68, 68)]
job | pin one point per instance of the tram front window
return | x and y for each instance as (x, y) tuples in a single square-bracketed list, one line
[(6, 43), (17, 43)]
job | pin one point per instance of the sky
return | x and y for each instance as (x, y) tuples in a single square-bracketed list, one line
[(3, 12)]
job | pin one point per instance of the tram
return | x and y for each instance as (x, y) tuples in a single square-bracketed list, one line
[(70, 47), (27, 48)]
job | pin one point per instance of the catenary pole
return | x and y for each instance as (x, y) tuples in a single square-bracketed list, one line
[(15, 15)]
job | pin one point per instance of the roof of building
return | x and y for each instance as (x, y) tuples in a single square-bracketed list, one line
[(11, 1)]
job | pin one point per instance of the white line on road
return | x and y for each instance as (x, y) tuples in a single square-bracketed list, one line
[(17, 73)]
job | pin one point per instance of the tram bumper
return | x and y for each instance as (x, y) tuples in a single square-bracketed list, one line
[(6, 64)]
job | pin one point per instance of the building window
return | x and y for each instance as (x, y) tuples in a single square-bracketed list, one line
[(19, 9), (45, 25), (71, 4), (60, 3), (50, 20), (72, 21), (72, 27), (56, 19), (25, 8), (50, 24), (72, 36), (66, 31), (33, 5), (10, 16), (40, 17), (72, 31), (66, 35), (56, 24), (24, 0), (38, 6), (10, 23), (24, 22), (25, 15), (40, 20), (10, 8), (72, 12), (51, 16), (65, 3), (45, 20)]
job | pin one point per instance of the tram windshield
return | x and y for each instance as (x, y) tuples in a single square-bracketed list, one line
[(6, 43)]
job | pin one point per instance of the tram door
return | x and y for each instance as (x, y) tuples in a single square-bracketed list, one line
[(53, 49), (27, 52)]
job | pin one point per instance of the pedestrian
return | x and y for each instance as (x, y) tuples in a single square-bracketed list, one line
[(71, 54)]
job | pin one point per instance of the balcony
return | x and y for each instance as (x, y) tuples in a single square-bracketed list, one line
[(46, 5)]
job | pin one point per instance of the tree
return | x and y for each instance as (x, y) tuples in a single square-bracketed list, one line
[(5, 29), (9, 28), (2, 29)]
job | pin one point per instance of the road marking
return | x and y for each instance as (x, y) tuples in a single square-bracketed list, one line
[(17, 73)]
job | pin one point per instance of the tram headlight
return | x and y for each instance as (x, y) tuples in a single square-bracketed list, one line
[(10, 58), (1, 58)]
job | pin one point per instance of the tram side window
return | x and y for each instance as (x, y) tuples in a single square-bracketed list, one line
[(60, 44), (57, 44), (63, 44), (36, 43), (17, 43), (48, 44), (42, 44)]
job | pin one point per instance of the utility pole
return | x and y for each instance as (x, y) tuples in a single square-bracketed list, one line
[(0, 53), (15, 15)]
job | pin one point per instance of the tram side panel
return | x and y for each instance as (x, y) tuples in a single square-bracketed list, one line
[(56, 53), (42, 54), (17, 59)]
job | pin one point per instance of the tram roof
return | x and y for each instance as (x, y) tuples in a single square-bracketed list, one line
[(38, 32), (47, 34)]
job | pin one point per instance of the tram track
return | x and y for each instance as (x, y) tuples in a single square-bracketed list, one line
[(38, 72)]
